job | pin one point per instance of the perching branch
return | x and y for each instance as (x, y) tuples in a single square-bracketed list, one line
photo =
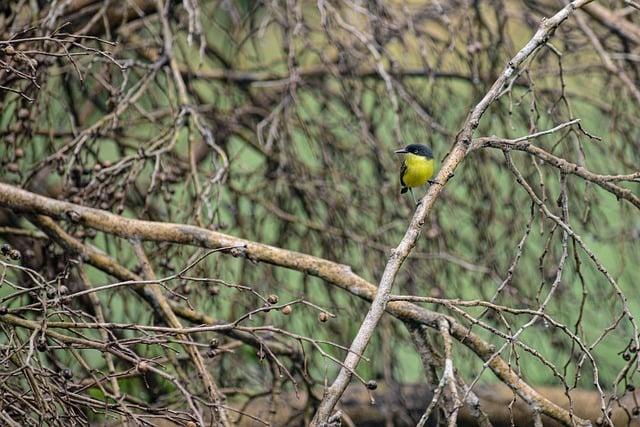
[(336, 274), (456, 156)]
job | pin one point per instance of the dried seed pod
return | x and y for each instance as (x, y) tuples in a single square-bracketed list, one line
[(67, 374), (23, 113), (323, 317), (5, 249), (272, 299), (372, 385), (286, 310), (15, 255)]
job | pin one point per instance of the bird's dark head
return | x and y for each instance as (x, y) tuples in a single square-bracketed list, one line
[(417, 149)]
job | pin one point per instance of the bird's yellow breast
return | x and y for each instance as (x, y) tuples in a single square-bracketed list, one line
[(419, 170)]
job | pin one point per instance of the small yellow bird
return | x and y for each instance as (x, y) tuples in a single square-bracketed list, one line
[(417, 168)]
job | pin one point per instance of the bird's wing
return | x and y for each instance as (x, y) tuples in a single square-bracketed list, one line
[(403, 169)]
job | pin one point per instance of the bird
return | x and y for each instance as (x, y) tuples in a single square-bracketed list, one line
[(417, 168)]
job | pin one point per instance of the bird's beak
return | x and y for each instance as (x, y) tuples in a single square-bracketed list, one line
[(401, 151)]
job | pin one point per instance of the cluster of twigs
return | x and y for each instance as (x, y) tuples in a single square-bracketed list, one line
[(186, 185)]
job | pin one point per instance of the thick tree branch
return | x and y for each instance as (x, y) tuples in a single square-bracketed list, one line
[(457, 155), (105, 263), (337, 274)]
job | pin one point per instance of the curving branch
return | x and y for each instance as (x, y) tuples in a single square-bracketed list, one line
[(604, 181), (110, 266), (456, 156), (336, 274)]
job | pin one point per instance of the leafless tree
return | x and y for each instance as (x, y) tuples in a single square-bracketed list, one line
[(202, 224)]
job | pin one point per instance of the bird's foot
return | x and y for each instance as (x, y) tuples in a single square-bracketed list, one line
[(432, 181)]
